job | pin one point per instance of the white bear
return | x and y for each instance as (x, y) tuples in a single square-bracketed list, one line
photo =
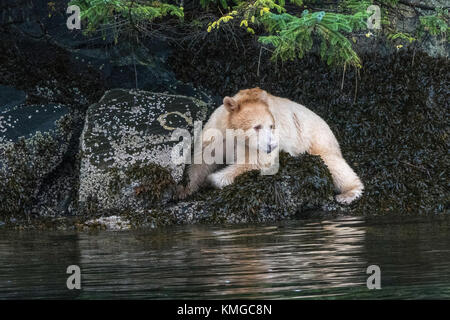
[(256, 113)]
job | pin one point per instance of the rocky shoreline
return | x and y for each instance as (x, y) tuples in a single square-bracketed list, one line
[(85, 137), (126, 177)]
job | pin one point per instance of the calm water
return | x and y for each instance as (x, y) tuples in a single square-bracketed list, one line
[(295, 259)]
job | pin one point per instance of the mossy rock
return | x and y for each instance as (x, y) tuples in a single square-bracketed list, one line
[(34, 141), (126, 146), (302, 184)]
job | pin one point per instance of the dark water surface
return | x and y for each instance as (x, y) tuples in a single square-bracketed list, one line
[(294, 259)]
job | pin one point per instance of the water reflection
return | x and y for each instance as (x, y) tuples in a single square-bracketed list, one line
[(295, 259), (34, 264)]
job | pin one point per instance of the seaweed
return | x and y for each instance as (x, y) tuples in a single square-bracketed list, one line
[(301, 183), (154, 182)]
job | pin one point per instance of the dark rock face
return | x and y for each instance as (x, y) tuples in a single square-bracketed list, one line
[(10, 96), (26, 120), (34, 141), (126, 144), (409, 22), (40, 24), (126, 66)]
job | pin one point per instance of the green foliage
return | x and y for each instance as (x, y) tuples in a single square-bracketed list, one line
[(436, 24), (99, 13), (290, 32), (293, 36), (355, 5), (402, 36)]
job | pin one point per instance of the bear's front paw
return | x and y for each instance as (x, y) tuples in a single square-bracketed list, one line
[(219, 180), (348, 197)]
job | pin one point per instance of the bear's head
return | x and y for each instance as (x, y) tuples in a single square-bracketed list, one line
[(248, 112)]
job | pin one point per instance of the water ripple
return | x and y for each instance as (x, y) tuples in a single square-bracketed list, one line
[(295, 259)]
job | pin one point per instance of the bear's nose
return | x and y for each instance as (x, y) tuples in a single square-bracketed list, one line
[(271, 147)]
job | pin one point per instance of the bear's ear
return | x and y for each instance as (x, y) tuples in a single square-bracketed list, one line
[(230, 104), (263, 96)]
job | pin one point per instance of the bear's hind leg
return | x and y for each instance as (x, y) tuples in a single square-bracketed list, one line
[(197, 174), (344, 178)]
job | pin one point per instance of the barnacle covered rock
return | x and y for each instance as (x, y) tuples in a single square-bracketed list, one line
[(126, 149), (33, 142)]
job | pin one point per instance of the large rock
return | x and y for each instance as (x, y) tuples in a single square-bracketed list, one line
[(126, 148), (33, 142), (301, 188)]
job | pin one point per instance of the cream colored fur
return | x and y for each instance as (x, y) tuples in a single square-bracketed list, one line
[(300, 130)]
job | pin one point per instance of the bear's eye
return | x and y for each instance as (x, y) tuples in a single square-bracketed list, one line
[(272, 127), (258, 127)]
